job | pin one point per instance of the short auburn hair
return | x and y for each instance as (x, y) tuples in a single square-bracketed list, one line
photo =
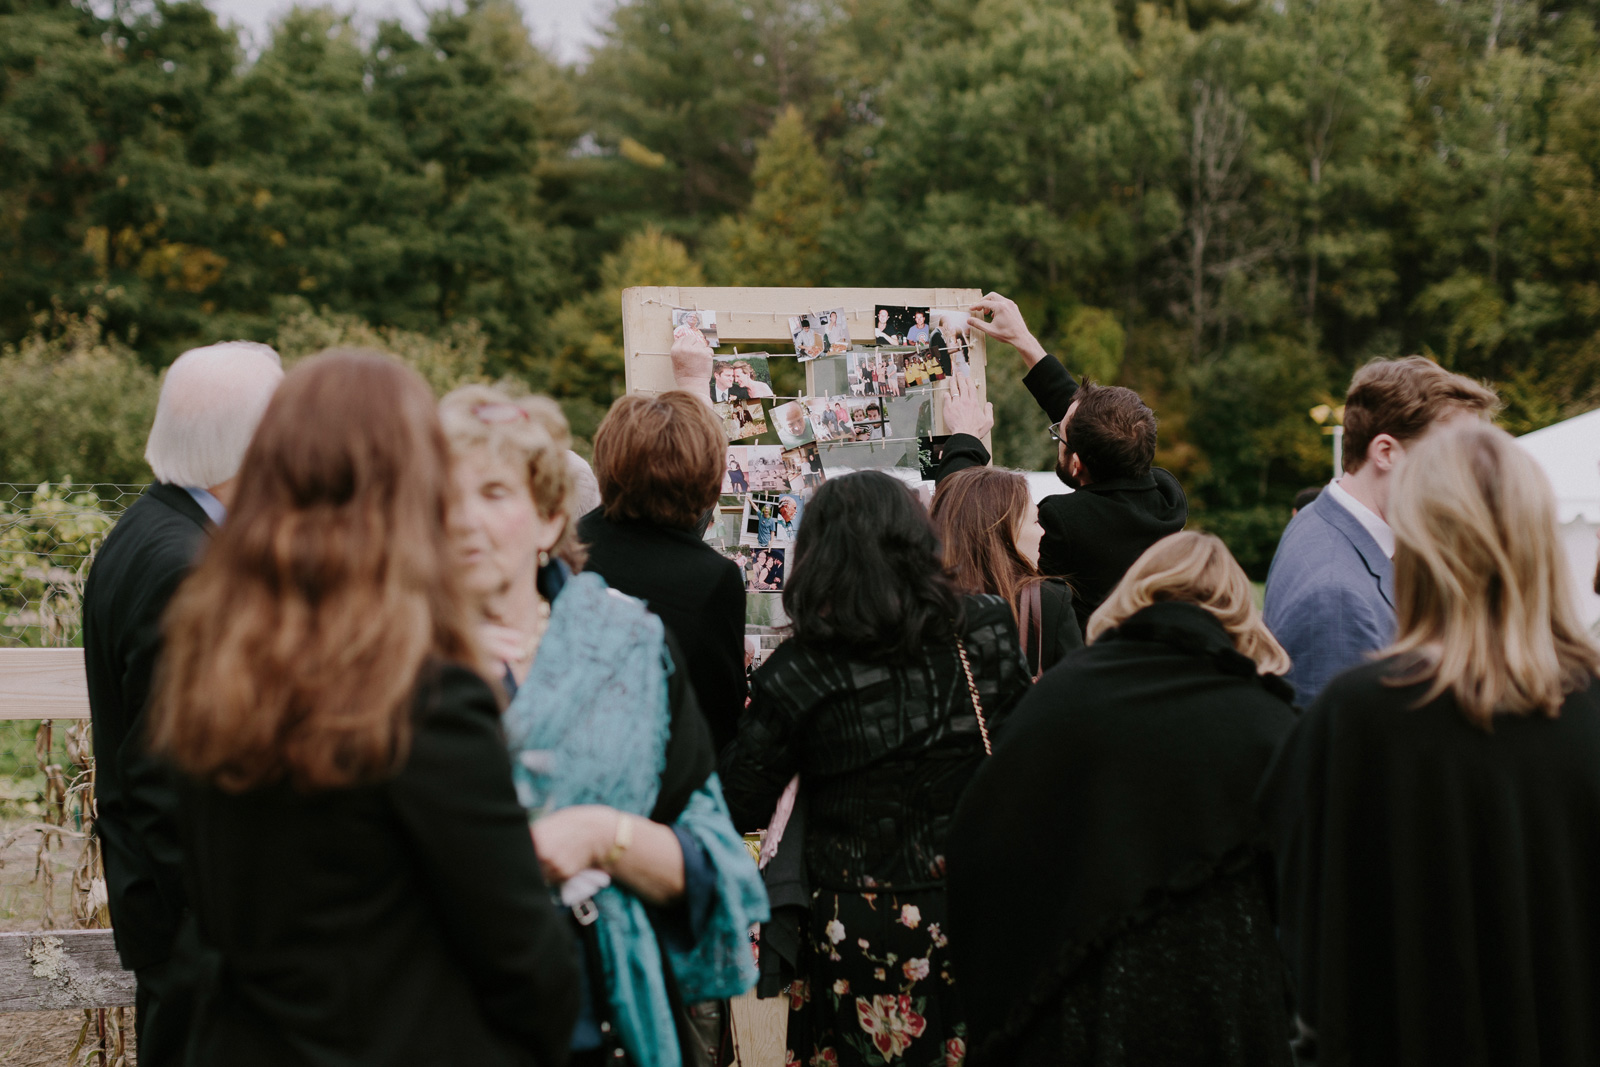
[(1113, 432), (1402, 398), (660, 459)]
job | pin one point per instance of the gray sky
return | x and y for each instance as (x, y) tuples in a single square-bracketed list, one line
[(563, 26)]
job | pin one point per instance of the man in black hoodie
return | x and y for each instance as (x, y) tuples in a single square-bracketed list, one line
[(1106, 442)]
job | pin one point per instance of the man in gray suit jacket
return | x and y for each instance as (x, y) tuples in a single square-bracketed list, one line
[(1330, 592)]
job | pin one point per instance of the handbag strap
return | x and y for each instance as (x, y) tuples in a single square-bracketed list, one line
[(1033, 609), (977, 705)]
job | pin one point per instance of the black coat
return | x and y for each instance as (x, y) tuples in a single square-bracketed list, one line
[(402, 922), (1109, 896), (1439, 881), (699, 596), (134, 576), (1092, 536)]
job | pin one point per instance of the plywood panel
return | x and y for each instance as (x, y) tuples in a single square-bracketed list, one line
[(760, 1030), (43, 683)]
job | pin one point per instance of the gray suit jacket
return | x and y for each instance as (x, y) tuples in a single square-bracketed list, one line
[(1330, 595)]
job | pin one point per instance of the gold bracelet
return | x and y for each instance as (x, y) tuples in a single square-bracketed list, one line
[(620, 843)]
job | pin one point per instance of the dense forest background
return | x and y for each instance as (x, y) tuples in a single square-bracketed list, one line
[(1226, 205)]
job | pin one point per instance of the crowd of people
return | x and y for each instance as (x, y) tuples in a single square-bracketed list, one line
[(421, 742)]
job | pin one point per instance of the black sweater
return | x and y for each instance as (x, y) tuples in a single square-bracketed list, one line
[(883, 750), (1092, 536), (403, 922)]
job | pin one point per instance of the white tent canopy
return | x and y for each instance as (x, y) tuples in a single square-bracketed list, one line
[(1569, 452)]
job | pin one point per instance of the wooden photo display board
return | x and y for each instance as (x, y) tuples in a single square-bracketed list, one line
[(758, 319)]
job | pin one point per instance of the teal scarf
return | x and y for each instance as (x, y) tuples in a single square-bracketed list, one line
[(589, 725)]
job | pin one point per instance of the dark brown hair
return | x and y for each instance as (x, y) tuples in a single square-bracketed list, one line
[(1402, 398), (977, 512), (1112, 431), (294, 650), (660, 458)]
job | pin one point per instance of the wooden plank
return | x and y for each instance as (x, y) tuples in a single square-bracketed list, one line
[(61, 970), (760, 1030), (759, 317), (43, 683)]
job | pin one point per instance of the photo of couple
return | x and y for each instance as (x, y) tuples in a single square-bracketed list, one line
[(803, 465), (762, 569), (740, 378), (741, 419), (819, 335), (830, 418)]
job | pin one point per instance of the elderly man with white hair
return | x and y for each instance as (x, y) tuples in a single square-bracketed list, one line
[(211, 402)]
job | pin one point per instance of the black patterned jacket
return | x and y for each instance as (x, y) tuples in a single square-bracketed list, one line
[(883, 750)]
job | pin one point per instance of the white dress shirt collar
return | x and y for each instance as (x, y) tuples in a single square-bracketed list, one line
[(208, 503), (1368, 518)]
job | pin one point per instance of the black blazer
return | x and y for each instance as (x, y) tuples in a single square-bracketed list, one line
[(1092, 536), (402, 922), (699, 596), (133, 578)]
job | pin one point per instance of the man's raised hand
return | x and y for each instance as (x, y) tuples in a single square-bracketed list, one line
[(964, 412), (1005, 323)]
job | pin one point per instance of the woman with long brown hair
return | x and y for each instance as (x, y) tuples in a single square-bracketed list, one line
[(361, 875), (989, 528), (1437, 811)]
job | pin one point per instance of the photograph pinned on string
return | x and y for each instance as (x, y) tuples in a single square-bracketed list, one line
[(692, 321), (867, 420), (807, 333), (762, 569), (740, 378), (741, 419), (899, 325), (793, 424), (771, 520), (803, 466), (754, 469), (830, 418), (922, 367), (873, 373), (950, 343)]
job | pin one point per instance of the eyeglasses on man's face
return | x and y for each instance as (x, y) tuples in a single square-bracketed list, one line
[(1055, 434)]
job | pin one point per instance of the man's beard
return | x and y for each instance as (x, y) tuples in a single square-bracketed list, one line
[(1075, 483)]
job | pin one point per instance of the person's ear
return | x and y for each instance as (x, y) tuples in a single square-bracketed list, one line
[(1385, 452)]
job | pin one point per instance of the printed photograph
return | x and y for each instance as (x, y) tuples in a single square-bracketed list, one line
[(755, 469), (771, 519), (740, 378), (741, 418), (922, 367), (876, 373), (930, 453), (808, 331), (793, 424), (689, 321), (804, 468), (764, 572), (867, 421), (950, 341), (898, 325), (835, 334), (830, 417)]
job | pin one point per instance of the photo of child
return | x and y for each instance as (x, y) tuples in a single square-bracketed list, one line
[(867, 421), (754, 469), (741, 419), (686, 321), (793, 425), (740, 378), (771, 519)]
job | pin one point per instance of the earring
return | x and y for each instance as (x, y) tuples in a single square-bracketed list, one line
[(544, 559)]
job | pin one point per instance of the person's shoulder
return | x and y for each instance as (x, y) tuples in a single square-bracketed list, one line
[(984, 609), (1055, 591)]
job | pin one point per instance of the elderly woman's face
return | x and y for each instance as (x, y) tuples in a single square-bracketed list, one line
[(497, 529)]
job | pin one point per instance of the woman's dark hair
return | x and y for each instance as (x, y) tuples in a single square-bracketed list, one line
[(866, 577)]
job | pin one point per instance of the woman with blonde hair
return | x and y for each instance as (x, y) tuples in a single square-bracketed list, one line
[(613, 761), (1110, 890), (1437, 811), (989, 532), (360, 872)]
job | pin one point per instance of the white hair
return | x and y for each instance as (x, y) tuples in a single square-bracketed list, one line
[(212, 399), (585, 494)]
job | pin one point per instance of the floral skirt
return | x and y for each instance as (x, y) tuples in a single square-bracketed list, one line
[(879, 988)]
